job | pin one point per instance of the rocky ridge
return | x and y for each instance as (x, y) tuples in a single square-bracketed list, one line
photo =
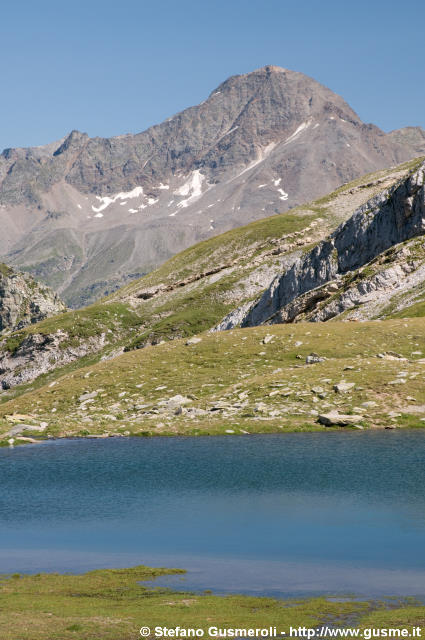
[(374, 256)]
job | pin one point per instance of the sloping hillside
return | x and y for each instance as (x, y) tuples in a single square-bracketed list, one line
[(191, 292), (264, 379)]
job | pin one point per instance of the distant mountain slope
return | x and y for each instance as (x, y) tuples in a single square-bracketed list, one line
[(23, 301), (414, 137), (190, 293), (85, 215)]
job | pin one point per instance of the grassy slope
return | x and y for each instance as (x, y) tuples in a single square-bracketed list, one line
[(251, 386), (112, 605), (197, 306), (98, 317)]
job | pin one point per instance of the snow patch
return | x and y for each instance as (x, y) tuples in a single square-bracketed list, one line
[(132, 210), (303, 126), (152, 200), (124, 195), (163, 186), (260, 186), (283, 194), (263, 153), (227, 133), (277, 182), (98, 215), (79, 206), (192, 188)]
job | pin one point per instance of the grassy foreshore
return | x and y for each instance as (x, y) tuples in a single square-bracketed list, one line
[(113, 605)]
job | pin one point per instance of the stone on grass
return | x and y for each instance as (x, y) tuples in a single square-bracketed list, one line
[(313, 358), (87, 396), (343, 387), (390, 355), (317, 390), (334, 418)]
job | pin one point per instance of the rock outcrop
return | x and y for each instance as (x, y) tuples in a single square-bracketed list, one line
[(392, 217), (38, 354), (24, 301)]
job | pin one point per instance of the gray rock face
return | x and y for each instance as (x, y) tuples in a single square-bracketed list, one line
[(95, 212), (392, 217), (24, 301), (40, 353)]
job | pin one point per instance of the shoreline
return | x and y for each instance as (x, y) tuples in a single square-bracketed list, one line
[(72, 438), (116, 603)]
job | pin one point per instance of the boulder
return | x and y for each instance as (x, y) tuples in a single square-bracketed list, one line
[(343, 387), (313, 358), (340, 420), (87, 396)]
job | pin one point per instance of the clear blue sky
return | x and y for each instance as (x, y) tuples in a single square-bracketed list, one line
[(111, 67)]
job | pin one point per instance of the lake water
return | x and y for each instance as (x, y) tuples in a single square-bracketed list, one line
[(288, 514)]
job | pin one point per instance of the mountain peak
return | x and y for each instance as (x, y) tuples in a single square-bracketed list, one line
[(74, 139), (270, 68), (262, 143)]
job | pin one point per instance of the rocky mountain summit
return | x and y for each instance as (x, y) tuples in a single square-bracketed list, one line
[(23, 301), (85, 215)]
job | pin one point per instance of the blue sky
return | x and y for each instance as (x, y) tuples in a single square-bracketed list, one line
[(111, 67)]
